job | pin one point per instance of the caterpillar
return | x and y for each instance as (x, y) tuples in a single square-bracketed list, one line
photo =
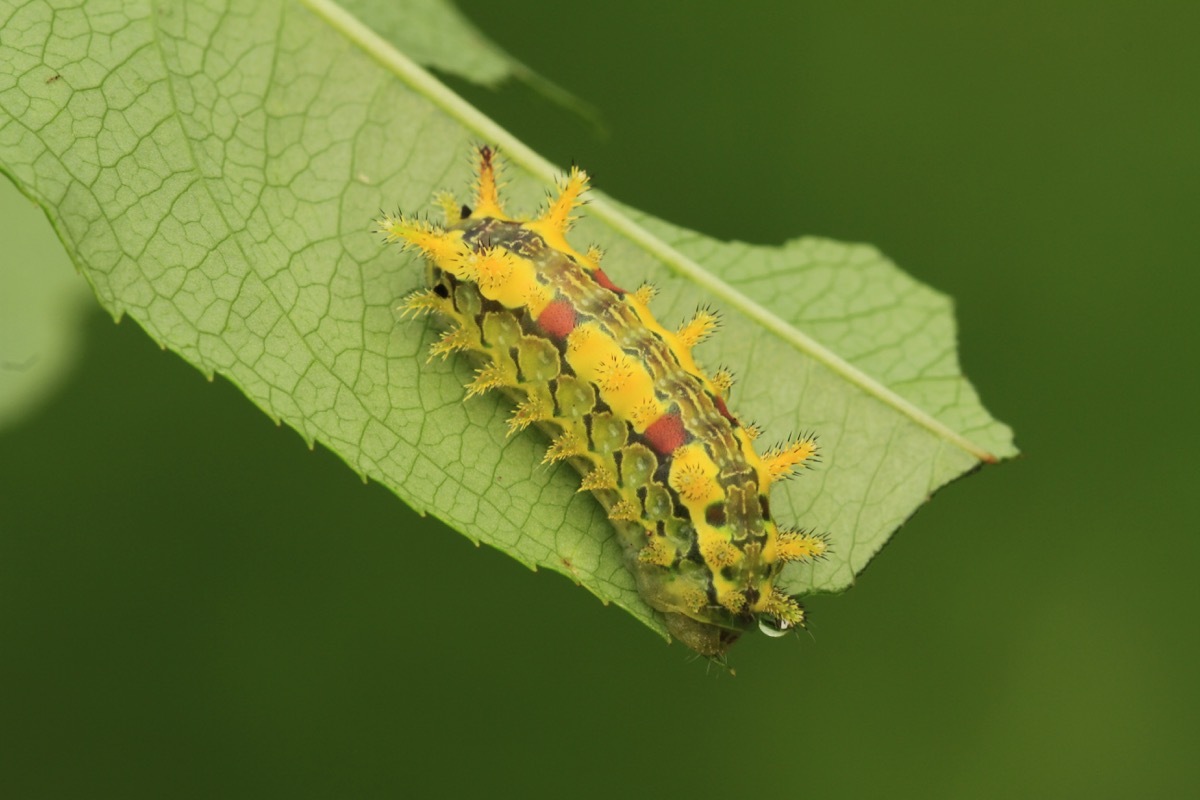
[(622, 400)]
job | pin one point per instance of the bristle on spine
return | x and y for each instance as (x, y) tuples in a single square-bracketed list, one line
[(487, 378), (722, 381), (698, 328), (449, 206), (558, 215), (785, 609), (784, 461), (453, 340), (564, 446), (644, 293), (422, 301), (530, 410), (443, 248), (487, 187), (598, 478), (798, 545)]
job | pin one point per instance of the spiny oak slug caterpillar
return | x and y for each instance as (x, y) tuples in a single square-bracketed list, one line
[(624, 403)]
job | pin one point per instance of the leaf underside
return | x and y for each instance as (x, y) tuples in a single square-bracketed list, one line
[(213, 170)]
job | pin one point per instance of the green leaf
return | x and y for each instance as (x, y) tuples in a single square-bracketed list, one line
[(213, 170), (436, 34)]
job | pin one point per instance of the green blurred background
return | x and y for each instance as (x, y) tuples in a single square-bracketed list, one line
[(193, 605)]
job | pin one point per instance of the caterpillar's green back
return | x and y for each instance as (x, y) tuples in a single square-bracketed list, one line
[(624, 402)]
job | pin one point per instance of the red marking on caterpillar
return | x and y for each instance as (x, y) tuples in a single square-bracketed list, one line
[(724, 409), (666, 434), (558, 319), (604, 281)]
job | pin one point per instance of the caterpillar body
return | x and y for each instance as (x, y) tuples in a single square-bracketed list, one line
[(623, 401)]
